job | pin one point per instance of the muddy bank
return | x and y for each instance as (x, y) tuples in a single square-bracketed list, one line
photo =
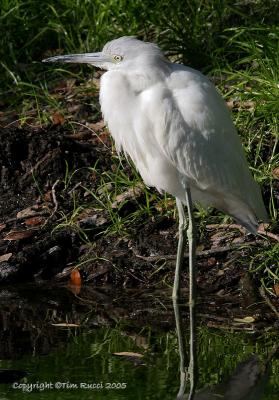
[(45, 172)]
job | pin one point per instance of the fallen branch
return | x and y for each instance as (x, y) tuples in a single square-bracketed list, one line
[(261, 230), (269, 234), (203, 253)]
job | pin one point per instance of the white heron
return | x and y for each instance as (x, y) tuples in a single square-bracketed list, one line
[(176, 128)]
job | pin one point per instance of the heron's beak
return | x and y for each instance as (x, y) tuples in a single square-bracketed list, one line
[(87, 58)]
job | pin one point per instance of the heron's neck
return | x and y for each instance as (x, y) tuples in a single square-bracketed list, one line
[(146, 75)]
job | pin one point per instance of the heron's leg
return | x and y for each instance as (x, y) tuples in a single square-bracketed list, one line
[(182, 350), (191, 233), (180, 249)]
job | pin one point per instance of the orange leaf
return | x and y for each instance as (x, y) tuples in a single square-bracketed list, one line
[(57, 118), (75, 277)]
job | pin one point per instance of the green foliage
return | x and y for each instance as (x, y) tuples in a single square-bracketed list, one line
[(194, 31)]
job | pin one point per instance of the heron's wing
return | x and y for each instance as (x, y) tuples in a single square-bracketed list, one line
[(200, 138), (194, 131)]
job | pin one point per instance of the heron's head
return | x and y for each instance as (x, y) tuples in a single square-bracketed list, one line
[(123, 53)]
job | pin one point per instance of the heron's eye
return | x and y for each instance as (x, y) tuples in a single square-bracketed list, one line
[(117, 58)]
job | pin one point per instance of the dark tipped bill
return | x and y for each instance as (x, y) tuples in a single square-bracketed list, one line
[(86, 58)]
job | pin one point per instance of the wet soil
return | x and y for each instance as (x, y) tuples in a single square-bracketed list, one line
[(38, 187)]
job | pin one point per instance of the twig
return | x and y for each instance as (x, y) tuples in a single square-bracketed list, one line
[(55, 202), (242, 230), (75, 187), (268, 302), (227, 226), (269, 234), (203, 253), (54, 197)]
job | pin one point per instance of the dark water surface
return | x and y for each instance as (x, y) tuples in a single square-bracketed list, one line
[(65, 344)]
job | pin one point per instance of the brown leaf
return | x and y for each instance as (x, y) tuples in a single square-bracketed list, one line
[(57, 118), (130, 194), (97, 126), (104, 138), (34, 221), (276, 289), (5, 257), (275, 173), (18, 235), (28, 212), (48, 196), (75, 289)]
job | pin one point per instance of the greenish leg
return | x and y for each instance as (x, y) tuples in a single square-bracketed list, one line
[(191, 233), (180, 249)]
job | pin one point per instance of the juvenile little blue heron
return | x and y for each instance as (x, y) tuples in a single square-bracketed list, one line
[(176, 128)]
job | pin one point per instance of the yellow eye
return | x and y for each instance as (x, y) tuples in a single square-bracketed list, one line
[(117, 58)]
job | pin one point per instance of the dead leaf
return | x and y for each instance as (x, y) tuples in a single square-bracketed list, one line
[(57, 118), (97, 126), (245, 320), (104, 138), (275, 173), (34, 221), (5, 257), (28, 212), (75, 289), (276, 289), (130, 194), (18, 235), (248, 105), (48, 196), (75, 277)]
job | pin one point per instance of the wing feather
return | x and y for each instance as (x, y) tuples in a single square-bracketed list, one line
[(194, 131)]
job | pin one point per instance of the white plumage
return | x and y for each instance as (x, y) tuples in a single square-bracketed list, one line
[(176, 128)]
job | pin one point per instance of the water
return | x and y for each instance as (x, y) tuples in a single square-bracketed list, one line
[(70, 362)]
